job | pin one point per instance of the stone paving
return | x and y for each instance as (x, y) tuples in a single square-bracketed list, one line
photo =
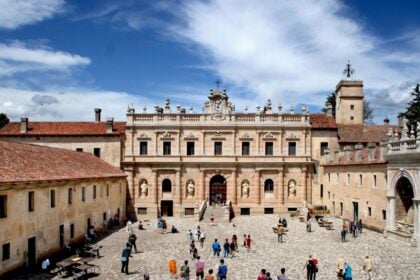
[(391, 260)]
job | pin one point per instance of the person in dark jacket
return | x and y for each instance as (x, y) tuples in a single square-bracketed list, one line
[(124, 258)]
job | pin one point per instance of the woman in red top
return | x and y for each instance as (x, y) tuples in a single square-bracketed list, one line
[(248, 241)]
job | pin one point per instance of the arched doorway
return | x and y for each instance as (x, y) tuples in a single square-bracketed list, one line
[(404, 209), (217, 190)]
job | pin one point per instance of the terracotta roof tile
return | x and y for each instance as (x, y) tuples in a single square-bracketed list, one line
[(363, 133), (62, 128), (322, 121), (29, 163)]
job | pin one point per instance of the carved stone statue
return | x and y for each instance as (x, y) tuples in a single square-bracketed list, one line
[(144, 189), (292, 188), (245, 189), (190, 189)]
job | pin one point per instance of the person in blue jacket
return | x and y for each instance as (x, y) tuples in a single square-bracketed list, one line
[(347, 272)]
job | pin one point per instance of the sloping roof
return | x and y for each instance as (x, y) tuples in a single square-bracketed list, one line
[(322, 121), (30, 163), (363, 133), (62, 128)]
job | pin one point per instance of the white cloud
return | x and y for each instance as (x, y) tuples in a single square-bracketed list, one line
[(16, 13), (17, 57), (290, 51)]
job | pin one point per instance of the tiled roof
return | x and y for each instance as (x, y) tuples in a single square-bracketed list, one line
[(322, 121), (363, 133), (29, 163), (351, 161), (62, 128)]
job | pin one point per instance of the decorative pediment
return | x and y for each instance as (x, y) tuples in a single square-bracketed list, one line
[(190, 137), (268, 136), (144, 136), (166, 136), (245, 137), (218, 136), (292, 137)]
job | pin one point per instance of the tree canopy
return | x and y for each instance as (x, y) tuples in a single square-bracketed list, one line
[(412, 113), (3, 120), (330, 100)]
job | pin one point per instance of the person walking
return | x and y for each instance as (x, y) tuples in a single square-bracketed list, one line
[(202, 238), (210, 276), (226, 248), (283, 275), (310, 269), (347, 272), (222, 271), (216, 248), (232, 248), (262, 275), (124, 258), (340, 268), (132, 240), (192, 247), (248, 243), (367, 268), (280, 232), (199, 269), (212, 219), (185, 271), (172, 268)]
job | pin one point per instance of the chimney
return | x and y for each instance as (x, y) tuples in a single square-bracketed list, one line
[(98, 115), (347, 150), (109, 125), (371, 148), (386, 121), (329, 109), (23, 125), (358, 148)]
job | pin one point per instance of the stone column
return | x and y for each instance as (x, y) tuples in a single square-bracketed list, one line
[(234, 188), (156, 187), (258, 187), (202, 186), (178, 187), (280, 187), (258, 144), (156, 143), (305, 184), (416, 205), (390, 213)]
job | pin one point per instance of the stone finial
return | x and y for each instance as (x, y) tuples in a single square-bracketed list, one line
[(371, 151), (145, 108), (412, 133), (178, 108), (347, 150), (292, 109), (258, 109), (191, 110), (404, 130), (358, 148), (386, 121), (246, 108), (389, 133), (130, 108), (279, 107), (267, 107), (167, 106), (303, 108)]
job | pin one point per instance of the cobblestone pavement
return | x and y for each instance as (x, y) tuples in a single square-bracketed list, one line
[(391, 260)]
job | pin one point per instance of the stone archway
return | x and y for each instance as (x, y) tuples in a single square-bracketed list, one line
[(218, 190), (404, 207)]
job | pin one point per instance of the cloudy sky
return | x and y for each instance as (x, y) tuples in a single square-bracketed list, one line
[(60, 59)]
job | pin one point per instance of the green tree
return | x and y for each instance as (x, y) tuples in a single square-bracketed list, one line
[(412, 113), (367, 113), (330, 100), (3, 120)]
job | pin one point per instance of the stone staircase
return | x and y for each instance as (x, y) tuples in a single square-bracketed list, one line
[(401, 236), (220, 214)]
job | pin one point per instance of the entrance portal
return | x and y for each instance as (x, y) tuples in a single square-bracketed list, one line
[(404, 210), (218, 190), (355, 211), (166, 208)]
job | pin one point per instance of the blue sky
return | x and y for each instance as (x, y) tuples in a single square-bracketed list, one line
[(60, 59)]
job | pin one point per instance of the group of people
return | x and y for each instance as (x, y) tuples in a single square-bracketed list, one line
[(185, 272), (353, 227), (265, 275), (344, 271)]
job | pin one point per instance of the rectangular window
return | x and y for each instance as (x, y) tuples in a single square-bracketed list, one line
[(348, 179), (384, 214), (341, 208), (292, 148), (79, 149), (94, 192), (268, 210), (31, 201), (369, 211), (338, 178), (351, 107), (218, 148), (107, 190), (6, 252), (374, 180), (72, 231), (268, 148), (52, 198), (324, 146), (360, 179), (166, 148), (321, 191), (190, 148), (3, 206), (142, 210), (143, 148), (97, 152), (245, 212), (70, 196), (189, 212), (245, 148), (83, 194)]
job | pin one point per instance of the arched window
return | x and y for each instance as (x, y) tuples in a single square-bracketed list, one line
[(268, 185), (166, 185)]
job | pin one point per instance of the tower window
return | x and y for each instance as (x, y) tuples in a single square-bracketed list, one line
[(352, 107)]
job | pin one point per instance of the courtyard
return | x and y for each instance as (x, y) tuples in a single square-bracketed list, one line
[(391, 260)]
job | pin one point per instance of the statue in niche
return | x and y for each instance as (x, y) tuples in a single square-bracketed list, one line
[(245, 189), (292, 189), (144, 189), (190, 189)]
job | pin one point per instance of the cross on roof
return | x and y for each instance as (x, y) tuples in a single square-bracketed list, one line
[(218, 82), (348, 71)]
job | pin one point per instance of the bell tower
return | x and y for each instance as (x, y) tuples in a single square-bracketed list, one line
[(349, 99)]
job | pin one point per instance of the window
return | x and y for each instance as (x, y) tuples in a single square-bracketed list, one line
[(6, 252), (166, 185), (337, 178), (52, 198), (370, 211), (360, 179), (245, 212), (329, 177), (94, 192), (79, 149), (97, 152), (341, 208), (72, 231), (383, 214), (268, 148), (348, 179), (324, 146), (83, 194), (70, 196), (351, 118), (217, 148), (3, 206), (142, 210), (268, 186), (352, 107), (268, 210), (31, 201), (107, 190), (190, 148), (245, 148), (189, 211), (374, 180), (321, 191), (292, 148), (143, 148), (329, 195), (166, 148)]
